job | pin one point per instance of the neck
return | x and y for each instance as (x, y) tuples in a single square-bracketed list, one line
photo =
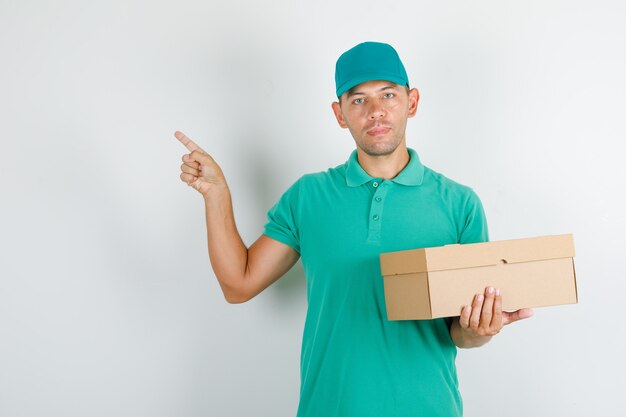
[(384, 166)]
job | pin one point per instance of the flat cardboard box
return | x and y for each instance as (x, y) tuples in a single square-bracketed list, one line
[(437, 282)]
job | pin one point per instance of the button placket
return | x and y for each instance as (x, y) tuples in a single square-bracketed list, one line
[(376, 211)]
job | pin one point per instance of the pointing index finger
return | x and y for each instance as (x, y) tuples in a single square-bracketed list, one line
[(189, 144)]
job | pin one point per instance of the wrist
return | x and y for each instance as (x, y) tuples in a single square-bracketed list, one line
[(216, 193)]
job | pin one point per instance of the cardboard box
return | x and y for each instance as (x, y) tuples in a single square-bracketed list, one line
[(437, 282)]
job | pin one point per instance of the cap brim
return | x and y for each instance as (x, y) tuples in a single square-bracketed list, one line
[(370, 77)]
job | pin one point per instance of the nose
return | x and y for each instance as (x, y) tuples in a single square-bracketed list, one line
[(376, 110)]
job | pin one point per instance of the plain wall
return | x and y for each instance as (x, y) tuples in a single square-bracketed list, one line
[(108, 305)]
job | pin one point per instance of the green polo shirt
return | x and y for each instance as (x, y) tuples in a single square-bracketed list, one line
[(355, 362)]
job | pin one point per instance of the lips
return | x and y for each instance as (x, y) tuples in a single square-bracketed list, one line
[(378, 131)]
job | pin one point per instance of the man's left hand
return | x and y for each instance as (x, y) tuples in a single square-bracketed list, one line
[(483, 319)]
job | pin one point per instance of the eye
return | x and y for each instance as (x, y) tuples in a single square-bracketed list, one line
[(389, 95), (358, 101)]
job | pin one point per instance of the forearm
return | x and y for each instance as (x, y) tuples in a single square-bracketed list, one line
[(242, 272), (464, 338), (227, 252)]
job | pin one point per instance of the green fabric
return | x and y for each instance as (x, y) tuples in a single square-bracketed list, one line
[(354, 361), (368, 61)]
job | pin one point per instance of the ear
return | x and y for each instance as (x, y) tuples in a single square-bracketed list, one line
[(339, 114), (414, 97)]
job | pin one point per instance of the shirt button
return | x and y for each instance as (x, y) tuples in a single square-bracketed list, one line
[(374, 184), (379, 199), (375, 217)]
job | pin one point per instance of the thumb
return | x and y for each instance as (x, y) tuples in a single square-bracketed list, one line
[(200, 185), (522, 313)]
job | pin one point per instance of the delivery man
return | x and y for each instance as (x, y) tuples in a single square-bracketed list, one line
[(355, 362)]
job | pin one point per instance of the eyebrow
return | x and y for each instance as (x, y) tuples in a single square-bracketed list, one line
[(352, 92)]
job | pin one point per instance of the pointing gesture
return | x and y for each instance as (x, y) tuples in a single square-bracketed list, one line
[(199, 170)]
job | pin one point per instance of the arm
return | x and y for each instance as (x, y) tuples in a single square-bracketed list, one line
[(483, 319), (241, 272)]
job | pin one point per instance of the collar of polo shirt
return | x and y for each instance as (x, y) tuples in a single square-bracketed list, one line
[(412, 174)]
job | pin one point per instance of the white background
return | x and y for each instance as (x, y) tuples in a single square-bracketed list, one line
[(108, 305)]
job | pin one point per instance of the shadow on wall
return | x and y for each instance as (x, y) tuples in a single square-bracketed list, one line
[(292, 286), (268, 184), (260, 150)]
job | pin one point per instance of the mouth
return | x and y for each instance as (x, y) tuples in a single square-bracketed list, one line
[(378, 131)]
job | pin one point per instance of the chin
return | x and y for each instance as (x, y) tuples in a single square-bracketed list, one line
[(383, 150)]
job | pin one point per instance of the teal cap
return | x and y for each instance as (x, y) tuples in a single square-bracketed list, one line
[(368, 61)]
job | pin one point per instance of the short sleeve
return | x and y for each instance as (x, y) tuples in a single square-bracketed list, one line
[(475, 228), (282, 224)]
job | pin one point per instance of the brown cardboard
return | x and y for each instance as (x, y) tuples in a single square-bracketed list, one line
[(437, 282)]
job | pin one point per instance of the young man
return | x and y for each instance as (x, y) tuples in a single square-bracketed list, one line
[(355, 362)]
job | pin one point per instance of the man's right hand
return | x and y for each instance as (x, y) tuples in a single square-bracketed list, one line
[(199, 170), (241, 272)]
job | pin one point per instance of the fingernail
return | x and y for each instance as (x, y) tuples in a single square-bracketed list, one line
[(497, 291), (490, 290)]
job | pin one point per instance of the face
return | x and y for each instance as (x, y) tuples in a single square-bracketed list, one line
[(376, 113)]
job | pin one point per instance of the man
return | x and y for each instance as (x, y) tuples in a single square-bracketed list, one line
[(355, 362)]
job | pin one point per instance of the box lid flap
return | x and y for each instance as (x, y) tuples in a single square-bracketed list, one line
[(477, 254)]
